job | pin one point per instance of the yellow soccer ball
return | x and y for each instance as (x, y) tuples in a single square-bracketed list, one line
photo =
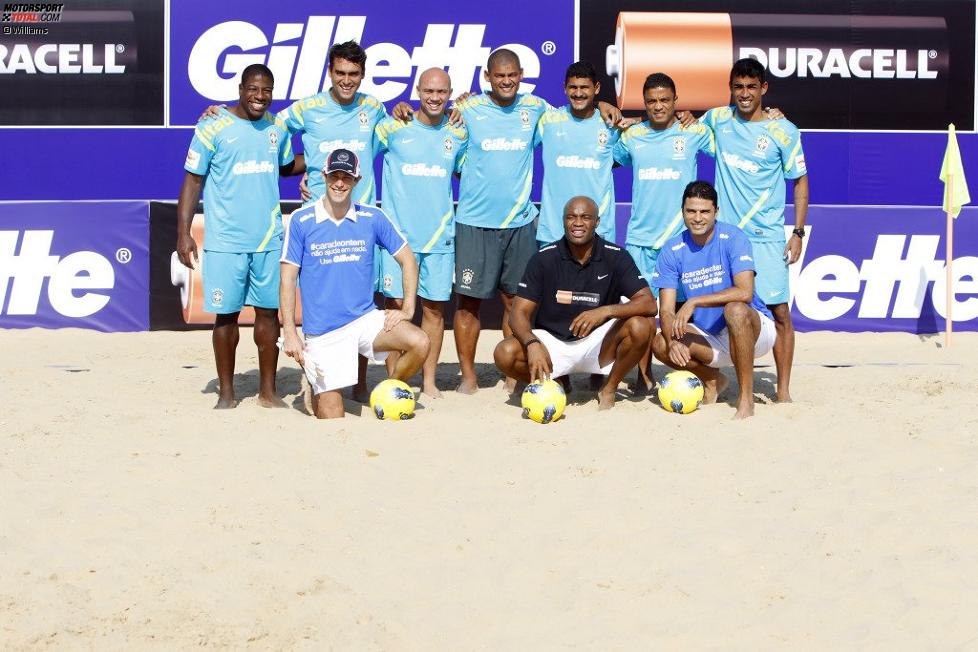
[(392, 399), (680, 392), (544, 402)]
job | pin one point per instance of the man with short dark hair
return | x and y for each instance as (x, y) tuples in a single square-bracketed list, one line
[(240, 152), (568, 316), (723, 320), (755, 156), (329, 248)]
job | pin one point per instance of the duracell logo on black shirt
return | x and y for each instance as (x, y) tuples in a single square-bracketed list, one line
[(578, 298)]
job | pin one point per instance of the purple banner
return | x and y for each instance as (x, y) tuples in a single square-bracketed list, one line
[(878, 268), (83, 265), (210, 45)]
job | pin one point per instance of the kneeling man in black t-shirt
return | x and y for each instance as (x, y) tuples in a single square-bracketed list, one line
[(575, 287)]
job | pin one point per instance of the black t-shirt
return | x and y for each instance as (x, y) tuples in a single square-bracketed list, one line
[(562, 288)]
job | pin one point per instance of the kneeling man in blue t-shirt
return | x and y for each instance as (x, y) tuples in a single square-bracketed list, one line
[(723, 320), (329, 249)]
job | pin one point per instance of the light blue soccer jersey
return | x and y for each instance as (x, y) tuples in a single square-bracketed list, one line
[(326, 125), (336, 262), (577, 160), (700, 270), (497, 171), (753, 161), (418, 164), (240, 159), (663, 162)]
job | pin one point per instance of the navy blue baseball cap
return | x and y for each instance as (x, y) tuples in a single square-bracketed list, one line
[(342, 160)]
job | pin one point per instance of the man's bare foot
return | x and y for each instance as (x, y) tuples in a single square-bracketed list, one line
[(360, 394), (225, 403), (306, 390), (595, 382), (712, 390), (431, 390), (606, 399), (467, 387), (272, 401), (745, 409), (783, 397), (510, 384)]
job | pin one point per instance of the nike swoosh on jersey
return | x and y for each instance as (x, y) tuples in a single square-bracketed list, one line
[(601, 277), (408, 140), (231, 140), (481, 117)]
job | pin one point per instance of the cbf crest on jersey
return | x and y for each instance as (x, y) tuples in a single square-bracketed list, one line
[(602, 138), (679, 147), (762, 144), (272, 140), (448, 145), (525, 117), (364, 120)]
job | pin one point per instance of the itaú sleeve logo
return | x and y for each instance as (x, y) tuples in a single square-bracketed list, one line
[(298, 65), (72, 282)]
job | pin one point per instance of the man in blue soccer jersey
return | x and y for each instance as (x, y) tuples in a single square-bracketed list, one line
[(240, 153), (495, 235), (662, 154), (329, 247), (723, 320), (569, 317), (420, 157), (754, 157), (577, 156)]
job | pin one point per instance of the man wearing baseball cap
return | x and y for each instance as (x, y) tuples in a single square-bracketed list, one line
[(329, 251)]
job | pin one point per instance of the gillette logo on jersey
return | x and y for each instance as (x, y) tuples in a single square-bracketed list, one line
[(211, 45)]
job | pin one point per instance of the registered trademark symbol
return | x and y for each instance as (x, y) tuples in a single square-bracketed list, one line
[(548, 47), (120, 48), (123, 255), (932, 54)]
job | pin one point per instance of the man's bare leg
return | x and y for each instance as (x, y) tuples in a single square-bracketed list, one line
[(507, 300), (359, 391), (411, 342), (225, 341), (467, 327), (625, 343), (644, 382), (510, 358), (329, 405), (433, 325), (713, 381), (784, 349), (391, 362), (743, 327), (266, 334)]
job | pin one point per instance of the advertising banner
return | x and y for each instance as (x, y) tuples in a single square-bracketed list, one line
[(98, 62), (831, 65), (74, 264), (210, 44)]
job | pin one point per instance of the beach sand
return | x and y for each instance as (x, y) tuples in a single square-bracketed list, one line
[(136, 517)]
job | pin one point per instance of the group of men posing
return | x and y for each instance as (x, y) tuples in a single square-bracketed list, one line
[(573, 300)]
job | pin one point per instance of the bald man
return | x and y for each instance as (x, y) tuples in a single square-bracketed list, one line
[(420, 157), (568, 315)]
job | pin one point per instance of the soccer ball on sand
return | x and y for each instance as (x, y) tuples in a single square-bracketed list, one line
[(392, 399), (544, 402), (680, 392)]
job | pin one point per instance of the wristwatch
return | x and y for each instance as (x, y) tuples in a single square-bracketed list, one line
[(800, 232)]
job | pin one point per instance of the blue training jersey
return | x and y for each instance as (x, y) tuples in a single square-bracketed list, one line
[(239, 159), (336, 262), (699, 271), (418, 164), (753, 161), (497, 171), (577, 160), (326, 125), (663, 163)]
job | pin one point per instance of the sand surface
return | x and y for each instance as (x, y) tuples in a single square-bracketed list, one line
[(134, 516)]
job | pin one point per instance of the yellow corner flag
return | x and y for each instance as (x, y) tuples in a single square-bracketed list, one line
[(952, 174)]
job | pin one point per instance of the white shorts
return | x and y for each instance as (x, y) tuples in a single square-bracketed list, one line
[(331, 358), (577, 356), (720, 343)]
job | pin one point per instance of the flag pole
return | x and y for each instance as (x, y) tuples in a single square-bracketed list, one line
[(949, 300)]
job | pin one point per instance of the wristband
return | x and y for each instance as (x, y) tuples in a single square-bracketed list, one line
[(800, 232), (530, 341)]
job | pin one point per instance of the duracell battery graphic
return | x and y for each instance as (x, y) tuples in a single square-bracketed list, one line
[(66, 65), (191, 286), (842, 68)]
